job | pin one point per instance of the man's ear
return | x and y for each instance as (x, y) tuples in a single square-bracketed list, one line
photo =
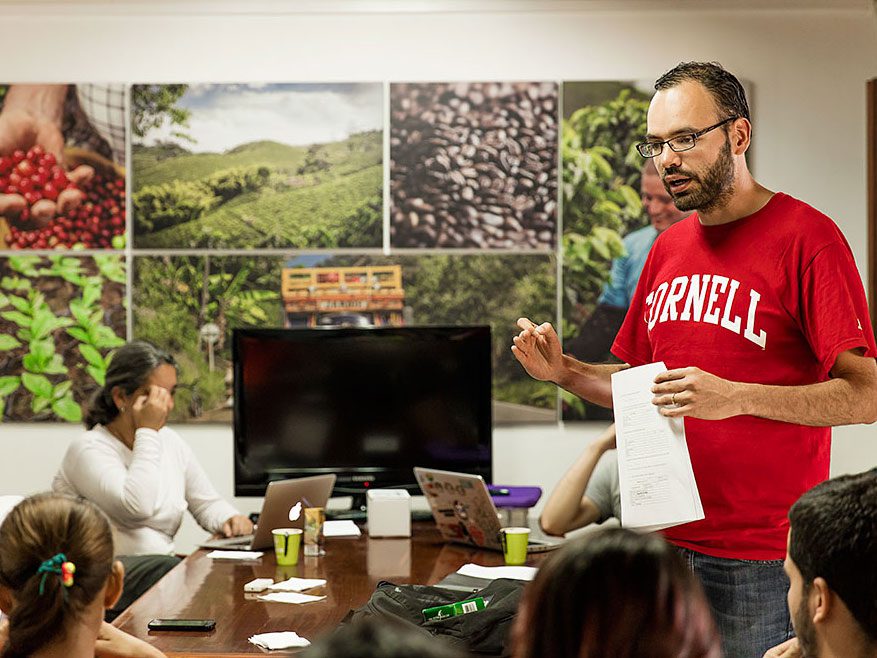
[(115, 584), (821, 601), (740, 136), (7, 602)]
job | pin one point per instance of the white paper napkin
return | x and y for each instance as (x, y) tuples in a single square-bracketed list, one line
[(235, 555), (343, 528), (282, 640), (491, 573), (290, 597), (296, 584)]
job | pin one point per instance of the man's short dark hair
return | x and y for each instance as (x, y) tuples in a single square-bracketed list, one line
[(834, 536), (726, 89)]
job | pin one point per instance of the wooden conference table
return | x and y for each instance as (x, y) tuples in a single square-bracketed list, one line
[(203, 588)]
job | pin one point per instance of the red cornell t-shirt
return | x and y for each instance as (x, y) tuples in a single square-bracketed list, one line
[(772, 298)]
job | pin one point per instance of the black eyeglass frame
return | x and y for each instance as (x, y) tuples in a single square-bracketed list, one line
[(669, 142)]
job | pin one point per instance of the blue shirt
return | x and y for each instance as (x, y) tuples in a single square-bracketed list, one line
[(626, 270)]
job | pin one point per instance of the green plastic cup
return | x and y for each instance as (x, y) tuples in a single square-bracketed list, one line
[(514, 545), (286, 544)]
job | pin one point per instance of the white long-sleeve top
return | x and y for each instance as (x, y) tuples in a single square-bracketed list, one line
[(144, 491)]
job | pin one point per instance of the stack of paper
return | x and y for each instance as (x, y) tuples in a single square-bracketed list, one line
[(657, 483), (296, 584)]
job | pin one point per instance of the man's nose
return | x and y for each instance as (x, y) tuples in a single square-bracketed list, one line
[(667, 158)]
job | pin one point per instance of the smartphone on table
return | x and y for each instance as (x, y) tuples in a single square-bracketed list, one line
[(201, 625)]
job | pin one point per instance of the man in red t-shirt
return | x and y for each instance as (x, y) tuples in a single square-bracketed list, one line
[(755, 305)]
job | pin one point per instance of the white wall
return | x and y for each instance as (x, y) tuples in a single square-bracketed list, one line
[(808, 70)]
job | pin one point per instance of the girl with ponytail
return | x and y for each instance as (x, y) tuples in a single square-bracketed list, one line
[(57, 575)]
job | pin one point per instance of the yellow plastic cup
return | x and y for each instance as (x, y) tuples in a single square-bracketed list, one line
[(514, 545), (286, 544)]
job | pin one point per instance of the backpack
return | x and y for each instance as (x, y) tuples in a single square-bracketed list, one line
[(482, 632)]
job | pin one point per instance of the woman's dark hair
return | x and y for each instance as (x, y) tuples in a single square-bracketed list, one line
[(615, 594), (129, 369), (36, 530)]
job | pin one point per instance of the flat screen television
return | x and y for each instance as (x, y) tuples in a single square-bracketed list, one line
[(365, 404)]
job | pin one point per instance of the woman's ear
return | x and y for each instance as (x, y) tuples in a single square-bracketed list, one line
[(6, 600), (115, 584), (119, 398)]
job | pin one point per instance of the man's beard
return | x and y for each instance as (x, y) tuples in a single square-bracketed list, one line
[(712, 191), (805, 630)]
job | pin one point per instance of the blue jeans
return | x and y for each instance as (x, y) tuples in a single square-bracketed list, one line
[(748, 599)]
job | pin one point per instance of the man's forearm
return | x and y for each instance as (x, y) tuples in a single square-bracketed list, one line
[(564, 511), (589, 381), (834, 402)]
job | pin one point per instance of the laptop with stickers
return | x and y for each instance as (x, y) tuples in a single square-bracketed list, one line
[(464, 511)]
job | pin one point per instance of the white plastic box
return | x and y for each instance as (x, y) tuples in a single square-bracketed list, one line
[(389, 513)]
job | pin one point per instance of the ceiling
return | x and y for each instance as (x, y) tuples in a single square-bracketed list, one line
[(424, 6)]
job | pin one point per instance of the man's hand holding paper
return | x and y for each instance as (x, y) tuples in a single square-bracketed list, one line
[(696, 393), (658, 489)]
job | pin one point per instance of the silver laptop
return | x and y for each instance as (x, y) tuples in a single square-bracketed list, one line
[(464, 511), (283, 507)]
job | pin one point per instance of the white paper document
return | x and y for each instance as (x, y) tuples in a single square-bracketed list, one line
[(657, 483), (492, 573)]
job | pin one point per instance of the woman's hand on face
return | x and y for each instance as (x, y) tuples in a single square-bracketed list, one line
[(151, 410)]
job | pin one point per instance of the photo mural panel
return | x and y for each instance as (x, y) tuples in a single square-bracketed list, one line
[(606, 232), (474, 165), (244, 166), (494, 289), (61, 316), (188, 306), (62, 166)]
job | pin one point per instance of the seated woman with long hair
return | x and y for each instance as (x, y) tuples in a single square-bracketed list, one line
[(136, 469), (615, 594), (57, 576)]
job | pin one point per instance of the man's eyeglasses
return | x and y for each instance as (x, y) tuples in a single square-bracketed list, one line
[(679, 143)]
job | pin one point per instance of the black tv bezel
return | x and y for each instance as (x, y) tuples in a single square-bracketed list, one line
[(351, 481)]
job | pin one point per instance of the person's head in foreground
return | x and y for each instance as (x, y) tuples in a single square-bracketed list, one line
[(376, 637), (832, 567), (615, 594), (57, 575), (698, 134)]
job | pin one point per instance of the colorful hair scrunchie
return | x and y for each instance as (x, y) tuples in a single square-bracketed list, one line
[(58, 565)]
